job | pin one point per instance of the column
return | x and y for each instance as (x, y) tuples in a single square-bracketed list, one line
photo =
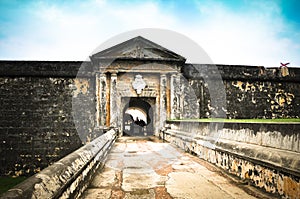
[(179, 95), (163, 100), (104, 99), (175, 96), (101, 106), (113, 100)]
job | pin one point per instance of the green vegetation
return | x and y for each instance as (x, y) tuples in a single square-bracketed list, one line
[(278, 120), (7, 182)]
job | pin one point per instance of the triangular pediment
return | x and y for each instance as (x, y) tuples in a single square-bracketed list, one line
[(138, 48)]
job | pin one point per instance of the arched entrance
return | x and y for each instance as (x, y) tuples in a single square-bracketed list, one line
[(137, 117)]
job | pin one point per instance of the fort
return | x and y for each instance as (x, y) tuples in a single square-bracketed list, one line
[(49, 109)]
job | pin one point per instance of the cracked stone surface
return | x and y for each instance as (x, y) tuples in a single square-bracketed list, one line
[(143, 168)]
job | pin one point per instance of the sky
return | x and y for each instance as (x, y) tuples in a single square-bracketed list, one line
[(237, 32)]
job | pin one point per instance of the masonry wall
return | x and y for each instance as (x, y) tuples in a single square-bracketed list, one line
[(36, 118), (251, 92), (38, 100), (265, 155)]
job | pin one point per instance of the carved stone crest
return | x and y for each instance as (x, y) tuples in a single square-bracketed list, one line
[(139, 84)]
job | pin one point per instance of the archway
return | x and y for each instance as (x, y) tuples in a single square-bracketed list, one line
[(137, 118)]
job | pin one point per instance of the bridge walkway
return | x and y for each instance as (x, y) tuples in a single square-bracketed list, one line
[(147, 168)]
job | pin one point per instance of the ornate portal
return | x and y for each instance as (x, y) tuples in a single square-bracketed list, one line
[(144, 77), (139, 84)]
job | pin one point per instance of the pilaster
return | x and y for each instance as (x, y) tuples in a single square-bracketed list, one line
[(102, 99), (175, 96), (113, 100), (163, 100)]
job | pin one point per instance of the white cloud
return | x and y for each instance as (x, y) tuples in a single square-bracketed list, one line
[(61, 33), (72, 33), (250, 38)]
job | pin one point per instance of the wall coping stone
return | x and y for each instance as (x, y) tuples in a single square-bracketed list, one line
[(70, 69), (41, 68), (239, 72)]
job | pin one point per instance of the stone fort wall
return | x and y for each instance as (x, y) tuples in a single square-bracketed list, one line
[(36, 119), (251, 92)]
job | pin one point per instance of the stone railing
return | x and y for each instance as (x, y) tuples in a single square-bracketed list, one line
[(265, 155), (68, 177)]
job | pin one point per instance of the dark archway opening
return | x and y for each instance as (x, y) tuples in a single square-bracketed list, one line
[(137, 118)]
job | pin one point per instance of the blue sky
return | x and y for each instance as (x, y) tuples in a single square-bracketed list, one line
[(250, 32)]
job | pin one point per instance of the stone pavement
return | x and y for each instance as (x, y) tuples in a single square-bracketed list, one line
[(139, 168)]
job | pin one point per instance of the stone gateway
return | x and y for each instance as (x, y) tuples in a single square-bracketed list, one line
[(140, 75)]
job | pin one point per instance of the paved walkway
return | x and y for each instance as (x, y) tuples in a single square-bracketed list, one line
[(139, 169)]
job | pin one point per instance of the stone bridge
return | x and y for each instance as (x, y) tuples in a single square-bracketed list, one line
[(151, 167), (76, 127)]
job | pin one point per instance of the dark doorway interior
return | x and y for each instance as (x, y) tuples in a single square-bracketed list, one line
[(137, 118)]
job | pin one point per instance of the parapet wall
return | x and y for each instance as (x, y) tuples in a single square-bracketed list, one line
[(265, 155), (69, 177)]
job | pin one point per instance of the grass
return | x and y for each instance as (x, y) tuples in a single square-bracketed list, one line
[(7, 182), (277, 120)]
